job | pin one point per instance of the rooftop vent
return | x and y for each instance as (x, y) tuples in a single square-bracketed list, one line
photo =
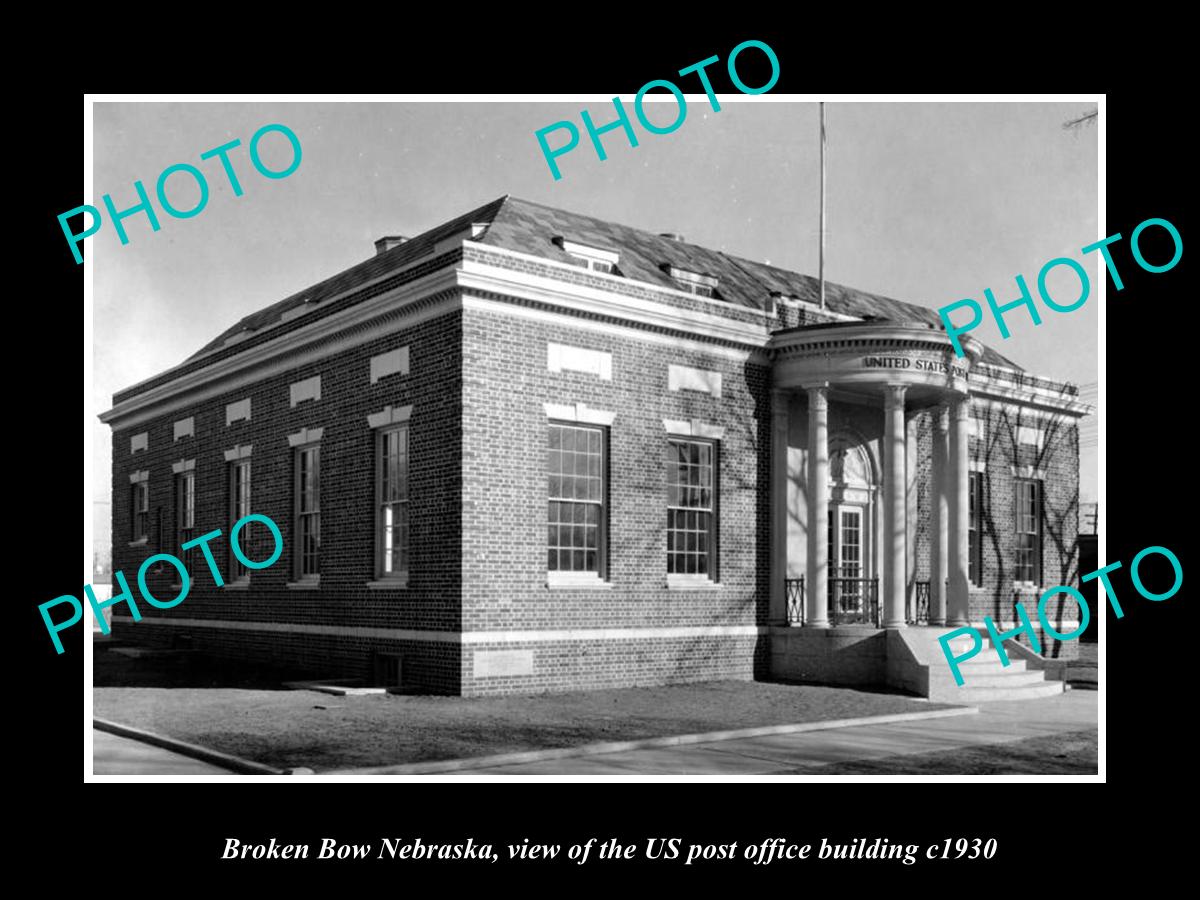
[(672, 236), (388, 241)]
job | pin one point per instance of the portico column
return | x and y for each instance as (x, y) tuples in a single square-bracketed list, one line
[(779, 512), (957, 606), (939, 530), (894, 507), (816, 582)]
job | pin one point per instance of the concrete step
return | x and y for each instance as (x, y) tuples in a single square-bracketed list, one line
[(985, 677), (988, 651), (959, 646), (990, 679), (968, 694), (982, 665)]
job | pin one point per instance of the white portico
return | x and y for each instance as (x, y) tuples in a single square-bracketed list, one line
[(844, 473)]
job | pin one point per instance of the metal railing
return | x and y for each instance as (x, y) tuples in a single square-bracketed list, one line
[(853, 601), (795, 600), (917, 612), (850, 601)]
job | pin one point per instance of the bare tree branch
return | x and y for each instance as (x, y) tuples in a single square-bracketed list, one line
[(1085, 119)]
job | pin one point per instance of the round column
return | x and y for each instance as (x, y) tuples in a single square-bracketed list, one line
[(939, 546), (816, 595), (894, 508), (957, 601)]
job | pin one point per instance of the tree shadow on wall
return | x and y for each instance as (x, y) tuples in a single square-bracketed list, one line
[(1003, 451), (747, 438)]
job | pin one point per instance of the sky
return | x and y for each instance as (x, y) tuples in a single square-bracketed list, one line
[(926, 202)]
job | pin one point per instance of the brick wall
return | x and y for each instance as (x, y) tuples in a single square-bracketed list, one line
[(343, 600), (506, 383), (1056, 464)]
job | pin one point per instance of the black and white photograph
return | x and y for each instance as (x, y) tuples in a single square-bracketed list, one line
[(734, 454), (699, 433)]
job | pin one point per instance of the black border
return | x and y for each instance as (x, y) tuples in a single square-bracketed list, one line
[(1043, 828)]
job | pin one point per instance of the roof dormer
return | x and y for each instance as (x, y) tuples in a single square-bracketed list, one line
[(595, 259), (693, 282)]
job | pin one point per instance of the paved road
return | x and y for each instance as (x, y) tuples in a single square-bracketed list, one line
[(996, 723), (113, 755)]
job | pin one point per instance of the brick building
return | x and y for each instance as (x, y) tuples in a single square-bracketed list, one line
[(532, 450)]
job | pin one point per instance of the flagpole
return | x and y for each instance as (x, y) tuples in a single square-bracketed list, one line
[(821, 258)]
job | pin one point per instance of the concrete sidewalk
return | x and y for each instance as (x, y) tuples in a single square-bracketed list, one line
[(996, 723), (113, 755)]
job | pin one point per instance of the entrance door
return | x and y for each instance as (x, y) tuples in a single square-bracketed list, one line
[(846, 556)]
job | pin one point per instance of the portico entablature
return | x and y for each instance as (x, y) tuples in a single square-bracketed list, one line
[(864, 357)]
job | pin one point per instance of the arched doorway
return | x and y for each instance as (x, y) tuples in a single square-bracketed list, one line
[(853, 586)]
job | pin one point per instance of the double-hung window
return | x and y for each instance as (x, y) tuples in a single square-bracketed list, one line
[(239, 508), (391, 520), (1028, 530), (974, 529), (692, 508), (140, 510), (308, 513), (185, 517), (576, 524)]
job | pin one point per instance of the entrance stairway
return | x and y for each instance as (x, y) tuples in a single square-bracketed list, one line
[(920, 665)]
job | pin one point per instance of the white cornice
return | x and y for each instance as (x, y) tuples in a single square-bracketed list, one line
[(585, 306), (328, 336), (307, 307), (622, 281), (565, 320), (593, 301), (853, 337), (1027, 395), (325, 337), (983, 384)]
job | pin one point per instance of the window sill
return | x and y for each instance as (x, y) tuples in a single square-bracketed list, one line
[(692, 583), (240, 585), (388, 584), (140, 542), (310, 585), (572, 580), (1026, 586)]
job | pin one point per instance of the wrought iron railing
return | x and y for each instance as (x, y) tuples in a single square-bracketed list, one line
[(853, 601), (917, 612), (795, 600)]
